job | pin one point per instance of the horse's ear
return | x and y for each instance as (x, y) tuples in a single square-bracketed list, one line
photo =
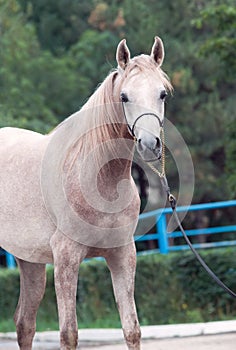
[(122, 54), (158, 52)]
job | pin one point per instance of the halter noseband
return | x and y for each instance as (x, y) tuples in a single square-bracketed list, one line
[(132, 128)]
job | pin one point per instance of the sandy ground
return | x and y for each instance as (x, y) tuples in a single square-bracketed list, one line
[(206, 342)]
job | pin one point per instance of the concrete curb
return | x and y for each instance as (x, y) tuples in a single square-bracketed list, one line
[(112, 336)]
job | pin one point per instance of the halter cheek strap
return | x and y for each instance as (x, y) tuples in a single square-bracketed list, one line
[(131, 128)]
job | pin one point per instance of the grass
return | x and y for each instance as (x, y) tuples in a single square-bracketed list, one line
[(112, 321), (52, 325), (7, 326)]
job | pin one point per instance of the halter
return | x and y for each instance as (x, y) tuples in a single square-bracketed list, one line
[(131, 129)]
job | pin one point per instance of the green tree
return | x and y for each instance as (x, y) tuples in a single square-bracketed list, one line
[(231, 158), (59, 24), (220, 19), (93, 57), (21, 104), (37, 90)]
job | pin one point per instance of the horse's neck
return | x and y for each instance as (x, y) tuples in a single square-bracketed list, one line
[(111, 175), (100, 172), (109, 169)]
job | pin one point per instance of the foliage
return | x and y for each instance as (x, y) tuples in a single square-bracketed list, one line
[(169, 289), (220, 19), (37, 90), (9, 292), (60, 23), (220, 22), (103, 44), (21, 103), (54, 54), (231, 158)]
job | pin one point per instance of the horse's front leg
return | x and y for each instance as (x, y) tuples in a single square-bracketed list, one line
[(32, 287), (67, 256), (122, 264)]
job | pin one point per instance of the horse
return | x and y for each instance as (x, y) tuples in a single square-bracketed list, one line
[(69, 195)]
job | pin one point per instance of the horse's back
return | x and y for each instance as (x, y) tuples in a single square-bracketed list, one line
[(20, 150), (24, 224), (11, 136)]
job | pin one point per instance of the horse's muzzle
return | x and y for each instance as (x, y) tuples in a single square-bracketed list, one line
[(149, 147)]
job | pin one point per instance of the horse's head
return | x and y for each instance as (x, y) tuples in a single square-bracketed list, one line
[(143, 90)]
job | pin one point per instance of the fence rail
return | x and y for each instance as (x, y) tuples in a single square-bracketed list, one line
[(162, 236)]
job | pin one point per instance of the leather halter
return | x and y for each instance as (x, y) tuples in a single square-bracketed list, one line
[(131, 128)]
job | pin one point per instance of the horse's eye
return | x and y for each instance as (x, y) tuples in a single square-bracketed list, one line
[(124, 97), (163, 95)]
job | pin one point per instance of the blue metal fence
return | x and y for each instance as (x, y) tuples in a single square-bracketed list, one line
[(162, 236), (10, 261)]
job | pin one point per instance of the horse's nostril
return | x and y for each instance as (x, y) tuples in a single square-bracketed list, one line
[(158, 143), (153, 144), (140, 144)]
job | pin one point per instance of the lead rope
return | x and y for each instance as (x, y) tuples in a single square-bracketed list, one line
[(161, 173), (172, 201)]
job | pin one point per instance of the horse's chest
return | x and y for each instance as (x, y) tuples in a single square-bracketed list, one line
[(107, 214), (101, 222)]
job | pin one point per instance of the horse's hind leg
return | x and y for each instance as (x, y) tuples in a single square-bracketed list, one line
[(32, 287), (122, 264)]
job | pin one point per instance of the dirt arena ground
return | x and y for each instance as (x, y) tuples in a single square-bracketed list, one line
[(206, 342)]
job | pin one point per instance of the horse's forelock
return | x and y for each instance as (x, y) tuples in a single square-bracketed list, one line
[(146, 64)]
